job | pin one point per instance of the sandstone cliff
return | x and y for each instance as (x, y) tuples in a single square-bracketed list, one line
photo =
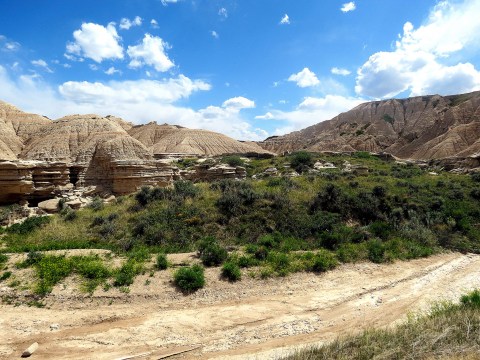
[(426, 127)]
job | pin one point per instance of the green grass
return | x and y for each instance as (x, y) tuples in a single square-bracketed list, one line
[(447, 331)]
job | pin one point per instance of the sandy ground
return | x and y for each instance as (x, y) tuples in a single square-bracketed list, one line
[(252, 319)]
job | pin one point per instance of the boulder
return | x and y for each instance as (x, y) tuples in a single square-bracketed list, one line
[(50, 206)]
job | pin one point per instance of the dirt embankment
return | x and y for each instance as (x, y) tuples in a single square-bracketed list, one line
[(252, 319)]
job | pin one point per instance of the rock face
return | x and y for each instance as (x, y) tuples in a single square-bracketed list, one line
[(427, 127), (167, 139), (40, 158)]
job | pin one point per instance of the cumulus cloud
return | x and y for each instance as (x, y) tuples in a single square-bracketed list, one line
[(154, 23), (238, 103), (420, 62), (285, 20), (350, 6), (150, 52), (267, 116), (214, 34), (166, 2), (339, 71), (139, 101), (223, 13), (111, 71), (126, 23), (96, 42), (304, 78), (42, 64)]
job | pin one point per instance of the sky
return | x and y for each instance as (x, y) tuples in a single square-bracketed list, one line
[(246, 68)]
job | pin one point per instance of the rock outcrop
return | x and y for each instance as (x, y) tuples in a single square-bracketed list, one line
[(426, 127), (167, 139)]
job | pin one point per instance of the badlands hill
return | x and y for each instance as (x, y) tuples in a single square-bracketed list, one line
[(163, 139), (79, 138), (426, 127)]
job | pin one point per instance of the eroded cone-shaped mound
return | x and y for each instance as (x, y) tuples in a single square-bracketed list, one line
[(175, 139), (75, 139)]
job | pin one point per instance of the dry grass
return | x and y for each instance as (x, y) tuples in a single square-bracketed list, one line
[(447, 332)]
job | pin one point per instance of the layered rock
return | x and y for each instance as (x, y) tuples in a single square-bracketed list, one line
[(427, 127), (167, 139)]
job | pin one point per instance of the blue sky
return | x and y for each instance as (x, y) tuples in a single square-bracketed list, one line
[(246, 68)]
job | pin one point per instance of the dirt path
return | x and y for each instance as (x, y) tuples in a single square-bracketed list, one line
[(253, 319)]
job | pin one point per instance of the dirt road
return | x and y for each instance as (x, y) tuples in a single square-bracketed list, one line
[(253, 319)]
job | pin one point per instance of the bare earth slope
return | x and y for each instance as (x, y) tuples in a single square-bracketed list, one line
[(426, 127), (252, 319), (176, 139)]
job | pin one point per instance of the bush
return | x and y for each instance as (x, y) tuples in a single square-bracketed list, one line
[(162, 262), (475, 176), (91, 268), (301, 161), (351, 253), (50, 270), (233, 160), (3, 259), (29, 225), (5, 275), (185, 189), (323, 261), (126, 274), (190, 279), (376, 251), (96, 204), (471, 299), (213, 254), (231, 271)]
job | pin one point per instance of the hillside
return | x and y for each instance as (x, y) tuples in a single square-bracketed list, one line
[(426, 127)]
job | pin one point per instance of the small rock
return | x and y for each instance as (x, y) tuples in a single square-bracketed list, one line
[(74, 204), (30, 350), (54, 327)]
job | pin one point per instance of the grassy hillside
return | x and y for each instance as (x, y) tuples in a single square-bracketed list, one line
[(277, 225)]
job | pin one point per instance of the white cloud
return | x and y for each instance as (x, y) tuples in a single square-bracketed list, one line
[(214, 34), (267, 116), (126, 23), (166, 2), (312, 110), (285, 20), (150, 52), (339, 71), (135, 101), (43, 64), (238, 103), (154, 24), (421, 60), (12, 46), (96, 42), (223, 12), (304, 78), (350, 6), (111, 71), (93, 67)]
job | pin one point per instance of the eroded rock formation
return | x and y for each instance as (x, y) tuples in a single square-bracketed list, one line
[(426, 127)]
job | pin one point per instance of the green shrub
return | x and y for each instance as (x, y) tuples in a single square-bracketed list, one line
[(5, 275), (351, 253), (162, 262), (301, 161), (471, 299), (185, 189), (29, 225), (279, 262), (70, 215), (126, 274), (475, 176), (50, 270), (96, 204), (233, 160), (213, 255), (323, 261), (3, 259), (246, 261), (91, 268), (190, 279), (376, 251), (231, 271)]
